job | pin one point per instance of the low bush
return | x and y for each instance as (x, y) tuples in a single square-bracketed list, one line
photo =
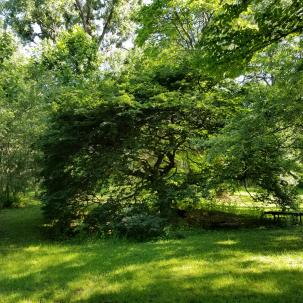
[(103, 219), (132, 221), (141, 226)]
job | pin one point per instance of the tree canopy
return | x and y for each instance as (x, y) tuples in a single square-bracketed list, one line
[(208, 98)]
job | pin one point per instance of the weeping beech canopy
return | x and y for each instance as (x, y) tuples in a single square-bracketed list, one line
[(129, 150)]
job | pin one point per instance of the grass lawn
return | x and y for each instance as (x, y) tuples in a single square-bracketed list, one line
[(257, 265)]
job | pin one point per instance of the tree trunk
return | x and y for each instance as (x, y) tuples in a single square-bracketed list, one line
[(165, 203)]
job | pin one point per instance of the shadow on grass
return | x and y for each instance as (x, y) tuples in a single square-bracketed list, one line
[(21, 226), (213, 266), (208, 289)]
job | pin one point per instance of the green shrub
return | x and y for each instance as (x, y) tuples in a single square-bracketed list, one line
[(141, 226), (132, 221), (7, 201), (103, 219)]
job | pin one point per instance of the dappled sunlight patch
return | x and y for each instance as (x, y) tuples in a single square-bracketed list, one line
[(84, 288), (288, 238), (223, 282), (242, 283), (227, 242), (11, 297), (207, 265), (279, 262), (33, 264), (33, 249), (226, 254), (127, 270), (189, 268), (266, 286)]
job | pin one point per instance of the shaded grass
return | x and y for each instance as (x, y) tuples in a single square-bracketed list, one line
[(255, 265)]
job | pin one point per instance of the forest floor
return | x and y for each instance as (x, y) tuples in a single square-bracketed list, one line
[(245, 265)]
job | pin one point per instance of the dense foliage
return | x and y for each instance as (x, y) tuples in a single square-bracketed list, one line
[(20, 125), (208, 99)]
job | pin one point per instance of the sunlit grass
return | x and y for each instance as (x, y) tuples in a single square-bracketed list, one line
[(256, 265), (242, 203)]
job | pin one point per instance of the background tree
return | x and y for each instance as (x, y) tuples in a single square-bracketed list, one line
[(21, 123), (220, 36), (107, 22), (232, 34), (263, 144)]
